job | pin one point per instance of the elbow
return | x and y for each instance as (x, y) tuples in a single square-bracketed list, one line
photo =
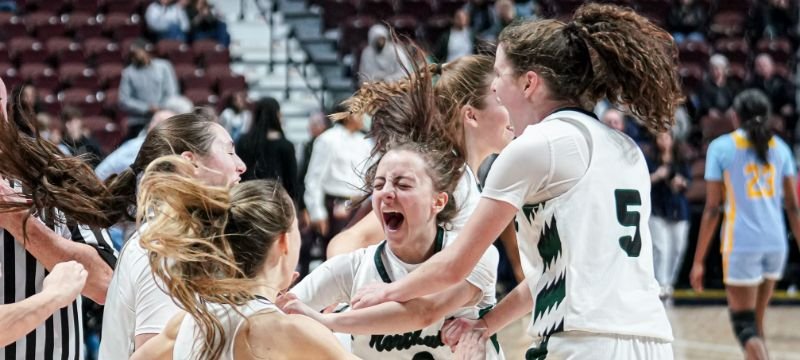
[(427, 314)]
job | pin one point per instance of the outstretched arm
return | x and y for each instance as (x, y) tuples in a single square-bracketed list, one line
[(708, 224), (792, 208), (451, 265)]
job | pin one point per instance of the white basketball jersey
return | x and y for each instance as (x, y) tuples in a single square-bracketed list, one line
[(587, 253), (189, 339)]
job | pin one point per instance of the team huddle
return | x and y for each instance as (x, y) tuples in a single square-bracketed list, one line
[(210, 271)]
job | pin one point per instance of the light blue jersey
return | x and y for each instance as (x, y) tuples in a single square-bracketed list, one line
[(753, 192)]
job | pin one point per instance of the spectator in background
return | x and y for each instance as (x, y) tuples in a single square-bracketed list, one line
[(335, 175), (669, 221), (774, 19), (145, 86), (29, 98), (614, 119), (206, 23), (265, 150), (457, 41), (480, 15), (778, 89), (381, 60), (122, 158), (168, 19), (317, 124), (687, 20), (76, 141), (237, 117), (717, 91), (505, 13)]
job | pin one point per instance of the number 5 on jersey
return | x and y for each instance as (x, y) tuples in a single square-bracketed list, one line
[(632, 245)]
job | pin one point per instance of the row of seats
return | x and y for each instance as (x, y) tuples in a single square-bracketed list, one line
[(78, 25), (88, 6)]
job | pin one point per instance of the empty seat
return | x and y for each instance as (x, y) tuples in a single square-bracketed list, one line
[(53, 28), (33, 53), (110, 74), (230, 82), (78, 76), (333, 11), (448, 7), (83, 25), (183, 70), (206, 45), (208, 59), (418, 9), (201, 96), (87, 6), (694, 51), (84, 99), (353, 33), (379, 9), (735, 49), (196, 80), (13, 28), (122, 26), (404, 25), (40, 75), (122, 6), (727, 24), (691, 75), (5, 57)]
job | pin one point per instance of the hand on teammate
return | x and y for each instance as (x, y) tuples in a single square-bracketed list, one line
[(696, 277), (471, 346), (65, 282), (290, 304), (369, 295), (454, 329)]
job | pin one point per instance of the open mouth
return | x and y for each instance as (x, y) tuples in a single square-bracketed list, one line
[(393, 220)]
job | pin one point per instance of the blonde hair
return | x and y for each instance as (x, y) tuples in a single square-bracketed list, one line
[(207, 244)]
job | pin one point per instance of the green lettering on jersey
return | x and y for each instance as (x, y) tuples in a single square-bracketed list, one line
[(405, 341)]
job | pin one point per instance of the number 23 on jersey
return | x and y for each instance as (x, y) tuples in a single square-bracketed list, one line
[(760, 180)]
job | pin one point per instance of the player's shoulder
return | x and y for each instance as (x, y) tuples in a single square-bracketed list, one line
[(724, 142)]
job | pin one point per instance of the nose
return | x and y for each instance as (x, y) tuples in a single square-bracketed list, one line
[(240, 166)]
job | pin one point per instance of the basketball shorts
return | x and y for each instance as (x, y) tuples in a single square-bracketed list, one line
[(751, 268), (578, 345)]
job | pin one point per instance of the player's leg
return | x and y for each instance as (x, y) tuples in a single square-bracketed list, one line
[(773, 264), (743, 274)]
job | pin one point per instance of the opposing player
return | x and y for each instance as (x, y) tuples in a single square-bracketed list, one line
[(752, 174), (580, 190), (223, 255)]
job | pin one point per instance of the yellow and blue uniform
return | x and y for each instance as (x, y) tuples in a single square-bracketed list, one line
[(753, 239)]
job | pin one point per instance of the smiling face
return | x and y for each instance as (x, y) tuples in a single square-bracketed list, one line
[(404, 198)]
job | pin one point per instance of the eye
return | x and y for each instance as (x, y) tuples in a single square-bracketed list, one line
[(377, 185), (403, 186)]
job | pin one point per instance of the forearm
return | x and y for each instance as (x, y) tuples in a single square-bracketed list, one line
[(20, 318), (708, 224), (386, 318), (515, 305), (50, 249)]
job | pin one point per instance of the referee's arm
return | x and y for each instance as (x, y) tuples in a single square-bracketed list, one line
[(50, 249)]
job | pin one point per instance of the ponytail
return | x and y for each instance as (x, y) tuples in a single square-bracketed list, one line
[(753, 108), (207, 244)]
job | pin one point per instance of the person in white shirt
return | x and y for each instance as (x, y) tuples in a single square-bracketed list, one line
[(168, 19), (381, 60), (137, 309), (579, 190), (338, 161), (224, 254)]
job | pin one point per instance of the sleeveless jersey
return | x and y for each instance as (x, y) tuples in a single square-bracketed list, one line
[(336, 280), (189, 339), (753, 192), (587, 253)]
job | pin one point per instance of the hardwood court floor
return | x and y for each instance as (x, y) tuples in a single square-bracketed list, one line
[(701, 333)]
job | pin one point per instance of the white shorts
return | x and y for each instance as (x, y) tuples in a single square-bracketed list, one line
[(751, 268), (578, 345)]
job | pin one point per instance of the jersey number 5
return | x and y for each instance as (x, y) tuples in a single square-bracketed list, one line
[(624, 198)]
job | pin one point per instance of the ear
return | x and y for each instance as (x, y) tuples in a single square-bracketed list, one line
[(282, 244), (468, 114), (531, 82), (188, 155), (440, 202)]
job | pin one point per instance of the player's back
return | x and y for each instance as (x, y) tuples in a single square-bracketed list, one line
[(753, 191)]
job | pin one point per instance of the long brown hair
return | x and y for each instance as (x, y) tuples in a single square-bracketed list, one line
[(464, 81), (207, 244), (52, 180), (606, 51)]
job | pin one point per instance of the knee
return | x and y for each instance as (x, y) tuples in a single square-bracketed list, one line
[(744, 325)]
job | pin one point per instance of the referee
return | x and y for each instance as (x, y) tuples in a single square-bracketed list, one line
[(25, 266)]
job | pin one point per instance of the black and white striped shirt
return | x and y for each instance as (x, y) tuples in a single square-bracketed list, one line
[(61, 336)]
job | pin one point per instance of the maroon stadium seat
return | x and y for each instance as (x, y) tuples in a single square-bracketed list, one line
[(353, 33), (333, 11), (110, 74), (196, 80), (418, 9), (201, 96), (379, 9)]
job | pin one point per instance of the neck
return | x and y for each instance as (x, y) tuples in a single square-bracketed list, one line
[(416, 248), (351, 126), (546, 107), (269, 283), (476, 153)]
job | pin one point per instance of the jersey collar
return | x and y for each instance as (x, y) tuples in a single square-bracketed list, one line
[(437, 246)]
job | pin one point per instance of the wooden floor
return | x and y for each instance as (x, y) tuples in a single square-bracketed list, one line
[(701, 333)]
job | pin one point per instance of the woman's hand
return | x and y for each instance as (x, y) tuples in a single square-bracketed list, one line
[(696, 277)]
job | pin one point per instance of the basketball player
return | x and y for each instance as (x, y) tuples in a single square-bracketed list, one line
[(223, 255), (754, 172), (580, 190)]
